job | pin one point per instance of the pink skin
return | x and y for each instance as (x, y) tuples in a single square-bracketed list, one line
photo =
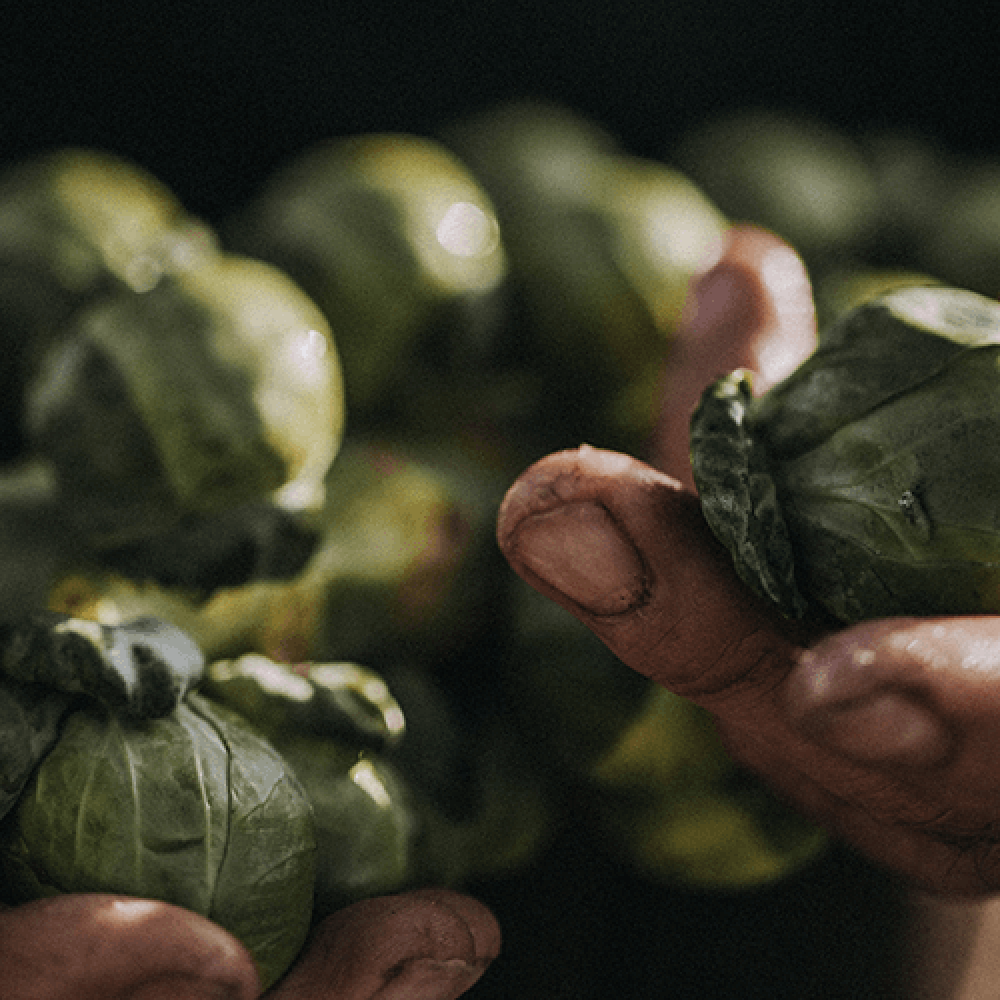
[(886, 732), (424, 945)]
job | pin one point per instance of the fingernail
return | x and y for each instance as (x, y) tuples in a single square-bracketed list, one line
[(847, 712), (581, 551)]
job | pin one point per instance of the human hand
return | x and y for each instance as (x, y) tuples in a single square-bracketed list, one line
[(423, 945), (884, 732)]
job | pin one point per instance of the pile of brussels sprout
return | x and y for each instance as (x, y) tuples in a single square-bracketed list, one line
[(262, 657)]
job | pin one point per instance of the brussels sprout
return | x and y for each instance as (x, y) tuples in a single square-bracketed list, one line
[(116, 777), (76, 225), (192, 808), (793, 174), (864, 485), (602, 246), (385, 233), (329, 721), (402, 566), (218, 387)]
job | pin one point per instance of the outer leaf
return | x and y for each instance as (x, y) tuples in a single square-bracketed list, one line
[(142, 667), (738, 496), (264, 887), (30, 718)]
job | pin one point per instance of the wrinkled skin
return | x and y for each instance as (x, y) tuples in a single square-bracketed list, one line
[(885, 732)]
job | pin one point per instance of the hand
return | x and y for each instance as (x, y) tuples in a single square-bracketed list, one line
[(886, 732), (424, 945)]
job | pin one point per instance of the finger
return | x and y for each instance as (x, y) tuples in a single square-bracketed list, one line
[(753, 309), (77, 947), (429, 944), (886, 732)]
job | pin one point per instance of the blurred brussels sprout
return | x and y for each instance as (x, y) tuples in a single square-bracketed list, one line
[(340, 701), (329, 721), (117, 778), (962, 243), (403, 567), (646, 767), (602, 246), (217, 387), (387, 233), (913, 177), (795, 175), (864, 485), (76, 225)]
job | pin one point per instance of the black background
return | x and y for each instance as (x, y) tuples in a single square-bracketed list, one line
[(211, 98)]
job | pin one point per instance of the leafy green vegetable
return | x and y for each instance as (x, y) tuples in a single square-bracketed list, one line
[(601, 248), (141, 668), (116, 777), (192, 808), (390, 235), (865, 484), (326, 720), (219, 386), (77, 225)]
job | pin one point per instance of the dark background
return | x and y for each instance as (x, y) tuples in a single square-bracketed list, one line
[(211, 98)]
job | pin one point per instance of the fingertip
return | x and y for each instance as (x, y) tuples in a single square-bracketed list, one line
[(626, 549), (79, 946), (427, 944), (487, 938)]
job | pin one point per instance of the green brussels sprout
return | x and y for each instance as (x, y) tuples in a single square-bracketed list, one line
[(386, 233), (75, 226), (116, 777), (219, 386), (864, 485), (795, 175), (601, 246), (192, 809), (329, 722), (401, 566)]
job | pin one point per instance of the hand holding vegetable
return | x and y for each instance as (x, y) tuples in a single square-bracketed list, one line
[(117, 778), (885, 731)]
